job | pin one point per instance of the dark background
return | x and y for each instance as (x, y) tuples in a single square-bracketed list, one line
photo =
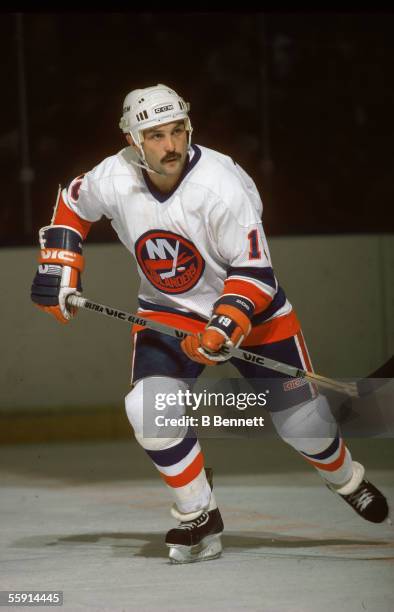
[(303, 101)]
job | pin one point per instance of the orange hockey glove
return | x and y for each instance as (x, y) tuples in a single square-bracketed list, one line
[(228, 327), (58, 275)]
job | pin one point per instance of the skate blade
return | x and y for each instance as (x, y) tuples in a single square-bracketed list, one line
[(209, 548)]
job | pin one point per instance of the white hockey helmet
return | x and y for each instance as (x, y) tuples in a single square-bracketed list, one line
[(146, 108)]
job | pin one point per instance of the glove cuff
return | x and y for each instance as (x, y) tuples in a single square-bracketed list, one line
[(63, 257), (228, 317), (60, 237), (61, 244), (240, 302)]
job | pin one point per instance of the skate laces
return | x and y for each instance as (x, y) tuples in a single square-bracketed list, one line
[(362, 498), (198, 522)]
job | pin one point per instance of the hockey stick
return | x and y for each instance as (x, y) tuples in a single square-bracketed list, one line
[(341, 387)]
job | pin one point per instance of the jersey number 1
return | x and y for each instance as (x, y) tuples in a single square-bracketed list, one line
[(254, 251)]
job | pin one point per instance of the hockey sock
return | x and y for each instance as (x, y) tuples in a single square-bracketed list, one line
[(333, 461), (311, 429), (181, 465), (174, 450)]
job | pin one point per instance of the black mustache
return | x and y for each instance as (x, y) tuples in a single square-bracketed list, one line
[(170, 157)]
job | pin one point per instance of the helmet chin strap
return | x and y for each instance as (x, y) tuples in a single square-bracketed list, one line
[(144, 164)]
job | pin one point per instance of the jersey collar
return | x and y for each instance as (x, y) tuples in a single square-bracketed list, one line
[(191, 162)]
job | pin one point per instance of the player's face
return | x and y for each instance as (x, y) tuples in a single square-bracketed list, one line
[(165, 147)]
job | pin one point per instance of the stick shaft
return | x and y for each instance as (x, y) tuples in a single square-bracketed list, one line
[(239, 353)]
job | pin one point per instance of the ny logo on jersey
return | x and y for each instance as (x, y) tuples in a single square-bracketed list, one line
[(169, 261), (158, 251)]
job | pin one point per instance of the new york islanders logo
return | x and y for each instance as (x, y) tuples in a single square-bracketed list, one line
[(170, 262)]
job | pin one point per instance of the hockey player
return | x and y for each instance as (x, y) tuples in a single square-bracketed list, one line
[(192, 218)]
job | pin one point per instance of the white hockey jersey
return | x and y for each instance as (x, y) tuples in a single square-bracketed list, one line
[(203, 238)]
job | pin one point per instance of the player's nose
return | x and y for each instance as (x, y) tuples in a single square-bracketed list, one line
[(169, 143)]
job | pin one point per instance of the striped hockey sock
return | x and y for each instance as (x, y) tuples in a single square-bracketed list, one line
[(333, 461), (181, 466)]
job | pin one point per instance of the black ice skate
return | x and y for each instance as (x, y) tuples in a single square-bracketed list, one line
[(365, 499), (197, 539)]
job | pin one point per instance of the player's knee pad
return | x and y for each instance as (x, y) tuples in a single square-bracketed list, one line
[(154, 408), (309, 426)]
